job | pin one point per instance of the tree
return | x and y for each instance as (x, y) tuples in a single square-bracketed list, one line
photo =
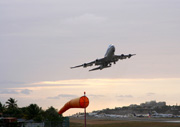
[(33, 111), (2, 109), (51, 114), (12, 108), (11, 103)]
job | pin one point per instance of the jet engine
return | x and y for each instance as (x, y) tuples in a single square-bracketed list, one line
[(101, 67), (84, 65), (122, 56), (129, 56), (96, 62)]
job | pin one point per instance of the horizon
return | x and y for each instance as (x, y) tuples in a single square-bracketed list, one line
[(40, 91), (103, 108)]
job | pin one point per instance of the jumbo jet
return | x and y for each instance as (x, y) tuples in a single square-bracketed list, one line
[(105, 62)]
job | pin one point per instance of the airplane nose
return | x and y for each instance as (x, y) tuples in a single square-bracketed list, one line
[(113, 47)]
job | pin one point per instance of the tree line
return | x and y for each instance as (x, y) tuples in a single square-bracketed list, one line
[(31, 112)]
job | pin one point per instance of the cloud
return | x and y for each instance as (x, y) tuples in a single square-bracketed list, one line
[(100, 81), (124, 96), (95, 95), (10, 84), (92, 83), (9, 92), (63, 96), (86, 18), (16, 91), (26, 91), (150, 94)]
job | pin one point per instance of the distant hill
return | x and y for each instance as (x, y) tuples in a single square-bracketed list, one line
[(144, 108)]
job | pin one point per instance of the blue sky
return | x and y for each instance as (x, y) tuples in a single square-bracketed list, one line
[(41, 39)]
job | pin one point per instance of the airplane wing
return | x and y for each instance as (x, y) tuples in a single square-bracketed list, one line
[(96, 62), (122, 56), (84, 65)]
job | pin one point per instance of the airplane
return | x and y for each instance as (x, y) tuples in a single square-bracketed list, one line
[(105, 62)]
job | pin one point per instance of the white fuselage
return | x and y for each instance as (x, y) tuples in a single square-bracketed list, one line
[(110, 52)]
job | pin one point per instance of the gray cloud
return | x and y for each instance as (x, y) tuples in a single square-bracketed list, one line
[(150, 94), (63, 96), (124, 96), (64, 24), (26, 91), (9, 92), (95, 95), (10, 84), (86, 19)]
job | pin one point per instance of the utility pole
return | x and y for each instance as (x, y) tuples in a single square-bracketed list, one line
[(84, 110)]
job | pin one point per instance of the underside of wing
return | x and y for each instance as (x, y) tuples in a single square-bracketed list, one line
[(96, 62), (100, 61), (84, 65)]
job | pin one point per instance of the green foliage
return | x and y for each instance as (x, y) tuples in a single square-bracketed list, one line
[(11, 103), (11, 108), (2, 108), (51, 114), (13, 112), (33, 111)]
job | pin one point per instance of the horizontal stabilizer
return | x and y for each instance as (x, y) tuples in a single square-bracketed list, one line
[(98, 68), (76, 66)]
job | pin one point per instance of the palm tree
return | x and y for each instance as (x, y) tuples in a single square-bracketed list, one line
[(11, 103), (2, 108), (33, 111), (12, 108)]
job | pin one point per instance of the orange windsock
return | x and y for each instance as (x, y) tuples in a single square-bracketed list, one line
[(80, 102)]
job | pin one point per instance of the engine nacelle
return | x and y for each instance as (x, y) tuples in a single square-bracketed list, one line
[(96, 62), (129, 56), (101, 67), (85, 65), (122, 56)]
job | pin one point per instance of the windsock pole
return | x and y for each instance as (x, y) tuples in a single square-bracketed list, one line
[(84, 111)]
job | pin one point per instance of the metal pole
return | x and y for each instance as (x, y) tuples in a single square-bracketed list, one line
[(84, 110), (85, 116)]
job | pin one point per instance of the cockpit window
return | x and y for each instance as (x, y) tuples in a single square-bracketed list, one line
[(110, 46)]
